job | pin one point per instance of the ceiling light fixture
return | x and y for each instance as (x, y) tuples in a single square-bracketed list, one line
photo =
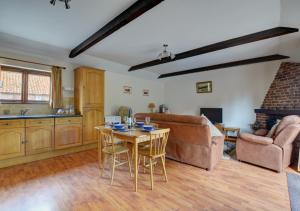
[(66, 3), (166, 53)]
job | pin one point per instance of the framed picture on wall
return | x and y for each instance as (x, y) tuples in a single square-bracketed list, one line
[(127, 90), (146, 92), (204, 87)]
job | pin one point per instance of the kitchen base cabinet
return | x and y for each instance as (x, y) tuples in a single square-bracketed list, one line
[(12, 143), (29, 139), (39, 139), (92, 117), (68, 132)]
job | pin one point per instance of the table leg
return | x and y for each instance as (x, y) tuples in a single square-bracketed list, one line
[(136, 169)]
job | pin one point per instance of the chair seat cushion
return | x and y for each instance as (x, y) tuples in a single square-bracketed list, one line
[(117, 149), (256, 139)]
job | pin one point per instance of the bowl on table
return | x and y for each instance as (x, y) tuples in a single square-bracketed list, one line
[(119, 126), (139, 124), (148, 127)]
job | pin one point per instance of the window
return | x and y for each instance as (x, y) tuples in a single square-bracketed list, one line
[(24, 86)]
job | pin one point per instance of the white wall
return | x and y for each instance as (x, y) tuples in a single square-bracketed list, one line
[(290, 16), (237, 90), (114, 96)]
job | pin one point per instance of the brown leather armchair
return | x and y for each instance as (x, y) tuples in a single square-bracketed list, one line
[(273, 153)]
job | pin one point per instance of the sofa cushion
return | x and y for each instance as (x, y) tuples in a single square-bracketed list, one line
[(271, 133), (214, 131), (172, 118), (261, 132), (256, 139)]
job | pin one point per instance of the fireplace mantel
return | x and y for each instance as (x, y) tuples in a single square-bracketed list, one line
[(279, 112)]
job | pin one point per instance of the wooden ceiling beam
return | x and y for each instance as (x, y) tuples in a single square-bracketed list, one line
[(134, 11), (262, 35), (226, 65)]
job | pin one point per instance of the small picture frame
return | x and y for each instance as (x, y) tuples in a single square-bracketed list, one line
[(204, 87), (127, 90), (146, 92)]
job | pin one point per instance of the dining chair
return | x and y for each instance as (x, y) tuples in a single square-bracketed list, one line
[(147, 143), (155, 125), (107, 145), (156, 150)]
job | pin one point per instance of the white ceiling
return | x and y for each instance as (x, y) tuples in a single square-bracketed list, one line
[(183, 24)]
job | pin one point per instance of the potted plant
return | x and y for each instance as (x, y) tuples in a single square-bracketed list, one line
[(151, 106)]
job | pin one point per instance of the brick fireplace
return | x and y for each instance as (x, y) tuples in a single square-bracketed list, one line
[(283, 97)]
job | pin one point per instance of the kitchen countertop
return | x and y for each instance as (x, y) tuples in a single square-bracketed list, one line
[(37, 116)]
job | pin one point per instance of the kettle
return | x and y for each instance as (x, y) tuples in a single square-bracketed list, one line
[(163, 108)]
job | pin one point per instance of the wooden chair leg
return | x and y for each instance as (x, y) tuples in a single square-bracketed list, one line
[(139, 160), (113, 169), (144, 164), (99, 159), (151, 172), (163, 160), (129, 164), (103, 162)]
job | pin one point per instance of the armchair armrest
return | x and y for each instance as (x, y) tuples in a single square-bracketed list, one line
[(256, 139)]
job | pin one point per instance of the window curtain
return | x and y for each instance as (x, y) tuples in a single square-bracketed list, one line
[(56, 99)]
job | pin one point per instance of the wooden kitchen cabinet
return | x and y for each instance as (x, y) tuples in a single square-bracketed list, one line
[(68, 133), (89, 88), (12, 142), (39, 139), (27, 140), (92, 117), (39, 135), (89, 100)]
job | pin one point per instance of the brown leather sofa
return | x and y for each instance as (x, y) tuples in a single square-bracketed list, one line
[(190, 140), (273, 153)]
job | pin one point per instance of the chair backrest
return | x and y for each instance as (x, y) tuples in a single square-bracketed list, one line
[(158, 141), (287, 135), (286, 121), (106, 137)]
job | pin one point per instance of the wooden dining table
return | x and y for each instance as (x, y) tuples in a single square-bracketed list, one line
[(135, 136)]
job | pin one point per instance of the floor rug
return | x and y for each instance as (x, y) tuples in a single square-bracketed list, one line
[(294, 190)]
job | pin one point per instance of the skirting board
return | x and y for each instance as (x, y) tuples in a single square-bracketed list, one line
[(46, 155)]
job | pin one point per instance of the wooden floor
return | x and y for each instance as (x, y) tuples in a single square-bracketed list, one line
[(73, 182)]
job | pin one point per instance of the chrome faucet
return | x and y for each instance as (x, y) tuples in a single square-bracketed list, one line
[(23, 112)]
